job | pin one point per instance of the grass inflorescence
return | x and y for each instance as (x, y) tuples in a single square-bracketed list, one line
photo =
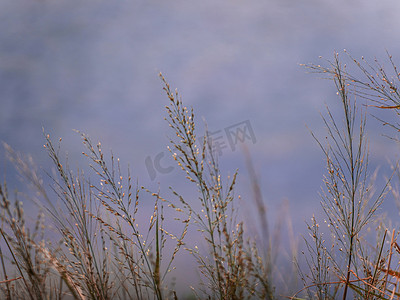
[(91, 240)]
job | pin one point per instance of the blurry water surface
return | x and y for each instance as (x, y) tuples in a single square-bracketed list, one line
[(93, 66)]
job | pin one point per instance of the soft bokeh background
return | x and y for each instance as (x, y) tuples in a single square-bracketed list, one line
[(93, 66)]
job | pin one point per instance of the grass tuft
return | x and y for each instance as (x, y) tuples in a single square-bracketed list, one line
[(93, 239)]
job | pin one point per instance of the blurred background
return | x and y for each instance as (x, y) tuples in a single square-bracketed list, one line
[(93, 66)]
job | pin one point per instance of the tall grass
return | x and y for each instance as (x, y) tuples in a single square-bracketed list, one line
[(233, 269), (350, 202), (91, 241), (105, 253)]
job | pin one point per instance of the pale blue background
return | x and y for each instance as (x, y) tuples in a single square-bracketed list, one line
[(93, 66)]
